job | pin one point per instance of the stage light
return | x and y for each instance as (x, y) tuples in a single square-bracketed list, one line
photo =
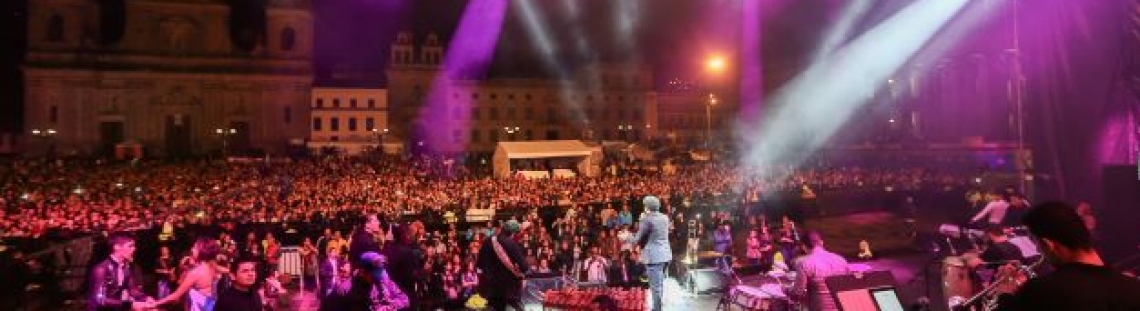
[(841, 29), (816, 103)]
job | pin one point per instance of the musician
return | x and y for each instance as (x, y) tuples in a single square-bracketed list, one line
[(722, 239), (1000, 248), (504, 269), (405, 261), (116, 283), (994, 212), (814, 268), (653, 236), (1081, 280)]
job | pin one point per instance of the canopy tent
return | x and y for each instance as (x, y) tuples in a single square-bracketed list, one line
[(590, 157)]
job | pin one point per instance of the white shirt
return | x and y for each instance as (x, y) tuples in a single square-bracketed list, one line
[(596, 268), (995, 210), (626, 239)]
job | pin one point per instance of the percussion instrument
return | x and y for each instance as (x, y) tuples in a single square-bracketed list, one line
[(760, 298), (956, 281)]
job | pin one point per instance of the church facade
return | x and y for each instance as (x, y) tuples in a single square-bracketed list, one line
[(435, 110), (178, 77)]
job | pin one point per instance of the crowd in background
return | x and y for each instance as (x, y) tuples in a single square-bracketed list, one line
[(580, 226)]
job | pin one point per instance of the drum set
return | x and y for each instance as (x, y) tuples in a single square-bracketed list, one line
[(768, 294)]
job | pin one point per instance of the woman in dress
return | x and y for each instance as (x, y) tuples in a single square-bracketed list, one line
[(199, 283)]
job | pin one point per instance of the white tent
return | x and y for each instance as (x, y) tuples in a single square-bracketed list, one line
[(590, 157)]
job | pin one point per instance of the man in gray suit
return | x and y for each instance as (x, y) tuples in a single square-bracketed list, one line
[(653, 236)]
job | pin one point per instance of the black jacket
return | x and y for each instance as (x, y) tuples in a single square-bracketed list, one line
[(497, 280), (105, 290)]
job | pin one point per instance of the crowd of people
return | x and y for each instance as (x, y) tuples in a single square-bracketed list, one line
[(254, 209), (62, 199)]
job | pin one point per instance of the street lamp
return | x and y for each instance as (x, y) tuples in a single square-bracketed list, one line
[(715, 64), (708, 119), (45, 135), (624, 131), (225, 135), (511, 131)]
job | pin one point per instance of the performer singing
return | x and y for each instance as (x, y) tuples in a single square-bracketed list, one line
[(115, 283), (653, 235)]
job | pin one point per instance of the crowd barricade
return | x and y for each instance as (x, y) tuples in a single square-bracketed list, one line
[(535, 174), (564, 173), (290, 261), (479, 215)]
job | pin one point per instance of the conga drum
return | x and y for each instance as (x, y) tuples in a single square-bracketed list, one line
[(956, 282)]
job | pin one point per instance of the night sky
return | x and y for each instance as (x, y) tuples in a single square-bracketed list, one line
[(671, 36)]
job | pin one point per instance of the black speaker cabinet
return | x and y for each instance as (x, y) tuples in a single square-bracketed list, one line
[(705, 281)]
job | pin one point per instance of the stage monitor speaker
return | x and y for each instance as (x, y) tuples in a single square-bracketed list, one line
[(705, 280), (870, 291)]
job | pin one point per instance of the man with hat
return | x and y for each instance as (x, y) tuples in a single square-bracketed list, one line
[(503, 268), (653, 236)]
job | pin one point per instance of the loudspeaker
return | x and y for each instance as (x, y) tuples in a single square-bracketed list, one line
[(1119, 215), (704, 281)]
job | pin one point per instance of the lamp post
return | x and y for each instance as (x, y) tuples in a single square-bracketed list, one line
[(708, 119), (511, 130), (715, 65), (380, 135), (624, 130), (45, 135), (225, 135)]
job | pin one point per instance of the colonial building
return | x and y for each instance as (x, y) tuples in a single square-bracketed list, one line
[(602, 101), (688, 117), (168, 74), (349, 119)]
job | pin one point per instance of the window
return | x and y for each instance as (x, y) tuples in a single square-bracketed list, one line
[(475, 113), (528, 113), (316, 124), (550, 115), (510, 96), (493, 114), (334, 124), (53, 114), (369, 123), (494, 96), (494, 135), (288, 39), (320, 103), (527, 96), (336, 103), (371, 103), (352, 103), (351, 124), (529, 135), (55, 29), (511, 113), (475, 136), (288, 115)]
